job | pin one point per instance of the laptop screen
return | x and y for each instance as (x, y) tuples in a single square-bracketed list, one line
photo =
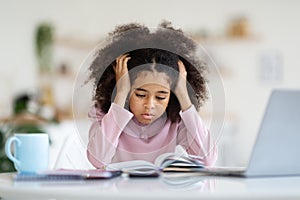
[(276, 150)]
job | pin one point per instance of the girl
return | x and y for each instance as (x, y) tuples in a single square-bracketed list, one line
[(161, 108)]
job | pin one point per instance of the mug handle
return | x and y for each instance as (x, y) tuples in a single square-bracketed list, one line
[(8, 149)]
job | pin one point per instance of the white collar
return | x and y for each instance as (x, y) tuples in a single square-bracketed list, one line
[(136, 129)]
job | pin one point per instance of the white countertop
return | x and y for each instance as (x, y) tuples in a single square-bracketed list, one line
[(165, 187)]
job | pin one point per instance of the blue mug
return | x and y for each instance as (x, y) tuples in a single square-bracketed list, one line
[(31, 151)]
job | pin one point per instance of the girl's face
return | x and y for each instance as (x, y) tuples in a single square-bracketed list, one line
[(149, 96)]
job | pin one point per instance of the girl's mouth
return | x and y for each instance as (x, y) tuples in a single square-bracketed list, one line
[(148, 116)]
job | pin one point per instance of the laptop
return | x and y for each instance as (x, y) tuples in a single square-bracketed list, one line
[(277, 148)]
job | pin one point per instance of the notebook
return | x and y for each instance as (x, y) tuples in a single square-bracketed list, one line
[(277, 148), (67, 175)]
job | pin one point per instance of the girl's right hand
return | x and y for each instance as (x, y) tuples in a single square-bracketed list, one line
[(122, 79)]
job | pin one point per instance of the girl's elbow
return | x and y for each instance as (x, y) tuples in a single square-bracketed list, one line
[(95, 162)]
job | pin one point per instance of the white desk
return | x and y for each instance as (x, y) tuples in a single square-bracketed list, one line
[(153, 188)]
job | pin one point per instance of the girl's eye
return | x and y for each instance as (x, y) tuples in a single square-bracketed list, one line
[(140, 95), (161, 98)]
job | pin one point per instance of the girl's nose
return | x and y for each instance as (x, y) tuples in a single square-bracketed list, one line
[(149, 104)]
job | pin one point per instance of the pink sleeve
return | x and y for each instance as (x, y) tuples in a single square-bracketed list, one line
[(104, 133), (195, 138)]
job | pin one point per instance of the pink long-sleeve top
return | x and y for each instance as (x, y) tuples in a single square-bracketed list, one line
[(117, 136)]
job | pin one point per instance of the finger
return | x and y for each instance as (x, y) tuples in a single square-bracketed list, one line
[(119, 64), (181, 69), (118, 59), (125, 63), (122, 57), (121, 60), (181, 66)]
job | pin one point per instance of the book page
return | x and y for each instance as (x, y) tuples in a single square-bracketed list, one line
[(179, 151), (176, 162), (161, 159), (132, 165)]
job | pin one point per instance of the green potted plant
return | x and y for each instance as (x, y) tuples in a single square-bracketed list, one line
[(22, 121), (44, 46)]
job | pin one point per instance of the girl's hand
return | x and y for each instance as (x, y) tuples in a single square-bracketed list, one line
[(122, 79), (181, 88)]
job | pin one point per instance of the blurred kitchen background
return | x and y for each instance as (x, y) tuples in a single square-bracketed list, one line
[(254, 43)]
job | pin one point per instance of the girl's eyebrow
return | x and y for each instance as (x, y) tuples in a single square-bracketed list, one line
[(141, 89), (161, 91)]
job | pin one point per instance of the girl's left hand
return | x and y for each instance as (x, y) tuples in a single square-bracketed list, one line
[(181, 91)]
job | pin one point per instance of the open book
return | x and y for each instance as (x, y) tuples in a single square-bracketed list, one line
[(168, 162)]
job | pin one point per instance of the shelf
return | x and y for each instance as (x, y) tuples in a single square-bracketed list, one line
[(76, 42), (224, 39)]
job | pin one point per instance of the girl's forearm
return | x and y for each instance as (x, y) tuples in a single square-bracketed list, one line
[(104, 134), (120, 98), (198, 139), (184, 100)]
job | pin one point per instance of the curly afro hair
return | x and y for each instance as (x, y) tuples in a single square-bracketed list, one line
[(162, 47)]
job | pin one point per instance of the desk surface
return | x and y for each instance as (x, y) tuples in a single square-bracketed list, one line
[(170, 186)]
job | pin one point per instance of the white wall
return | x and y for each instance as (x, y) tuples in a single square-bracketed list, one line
[(274, 22)]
